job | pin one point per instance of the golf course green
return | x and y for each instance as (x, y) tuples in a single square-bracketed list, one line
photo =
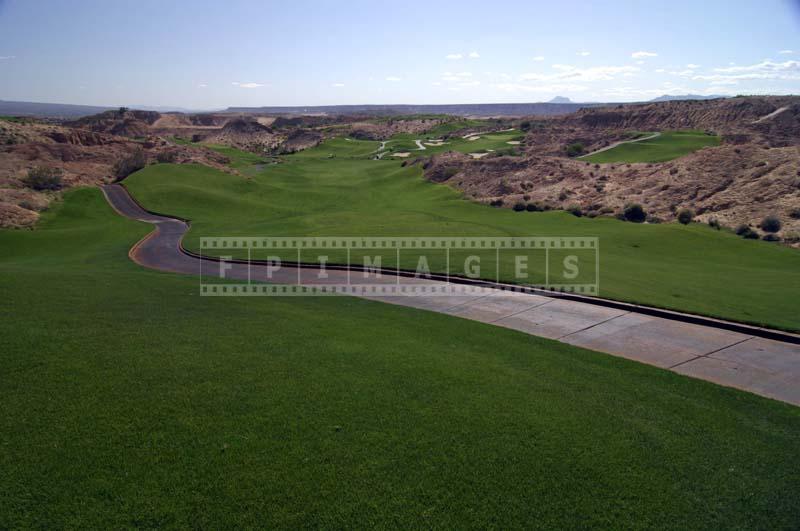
[(129, 401), (336, 189), (666, 146)]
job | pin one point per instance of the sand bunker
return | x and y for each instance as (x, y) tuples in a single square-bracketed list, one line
[(402, 154), (473, 138), (477, 155), (514, 142), (436, 143)]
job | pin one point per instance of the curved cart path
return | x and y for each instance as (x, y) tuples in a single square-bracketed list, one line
[(615, 144), (757, 360)]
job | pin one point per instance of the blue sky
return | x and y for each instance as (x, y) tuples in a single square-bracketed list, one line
[(211, 55)]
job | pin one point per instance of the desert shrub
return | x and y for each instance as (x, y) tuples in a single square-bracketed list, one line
[(532, 207), (746, 232), (575, 149), (714, 223), (44, 178), (655, 220), (795, 213), (126, 166), (575, 210), (770, 224), (606, 210), (685, 216), (526, 197), (167, 157), (497, 203), (563, 195), (519, 206), (525, 126), (634, 212), (771, 238)]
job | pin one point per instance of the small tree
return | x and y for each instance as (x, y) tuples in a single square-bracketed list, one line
[(575, 149), (685, 216), (43, 178), (770, 224), (519, 207), (634, 212)]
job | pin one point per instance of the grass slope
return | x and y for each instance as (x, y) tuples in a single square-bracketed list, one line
[(690, 268), (667, 146), (129, 401)]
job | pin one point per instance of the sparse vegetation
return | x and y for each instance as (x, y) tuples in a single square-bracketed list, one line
[(167, 157), (44, 178), (135, 162), (685, 216), (634, 212), (575, 210), (746, 232), (575, 149), (714, 223), (770, 224)]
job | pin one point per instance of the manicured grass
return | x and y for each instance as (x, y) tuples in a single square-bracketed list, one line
[(497, 141), (130, 401), (667, 146), (691, 268)]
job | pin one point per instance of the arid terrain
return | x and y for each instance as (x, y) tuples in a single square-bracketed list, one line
[(753, 173)]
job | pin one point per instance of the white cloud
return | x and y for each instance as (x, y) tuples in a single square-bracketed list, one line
[(571, 73), (642, 55), (786, 52), (202, 85), (539, 58), (639, 62), (458, 76), (474, 55), (337, 84), (552, 89), (247, 85), (692, 66), (393, 78), (454, 56), (785, 71), (660, 70), (583, 54)]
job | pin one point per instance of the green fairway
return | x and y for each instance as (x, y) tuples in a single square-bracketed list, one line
[(479, 143), (129, 401), (691, 268), (667, 146)]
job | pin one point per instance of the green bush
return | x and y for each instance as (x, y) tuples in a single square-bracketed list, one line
[(770, 224), (746, 232), (496, 203), (771, 238), (714, 223), (519, 207), (43, 178), (795, 213), (575, 210), (575, 149), (634, 212), (532, 207), (128, 165), (685, 216)]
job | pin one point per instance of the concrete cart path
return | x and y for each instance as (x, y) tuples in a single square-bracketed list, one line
[(762, 366)]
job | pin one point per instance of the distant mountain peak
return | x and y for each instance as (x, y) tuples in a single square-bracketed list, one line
[(560, 99)]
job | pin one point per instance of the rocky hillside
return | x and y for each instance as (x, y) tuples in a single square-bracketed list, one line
[(84, 157), (754, 173)]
